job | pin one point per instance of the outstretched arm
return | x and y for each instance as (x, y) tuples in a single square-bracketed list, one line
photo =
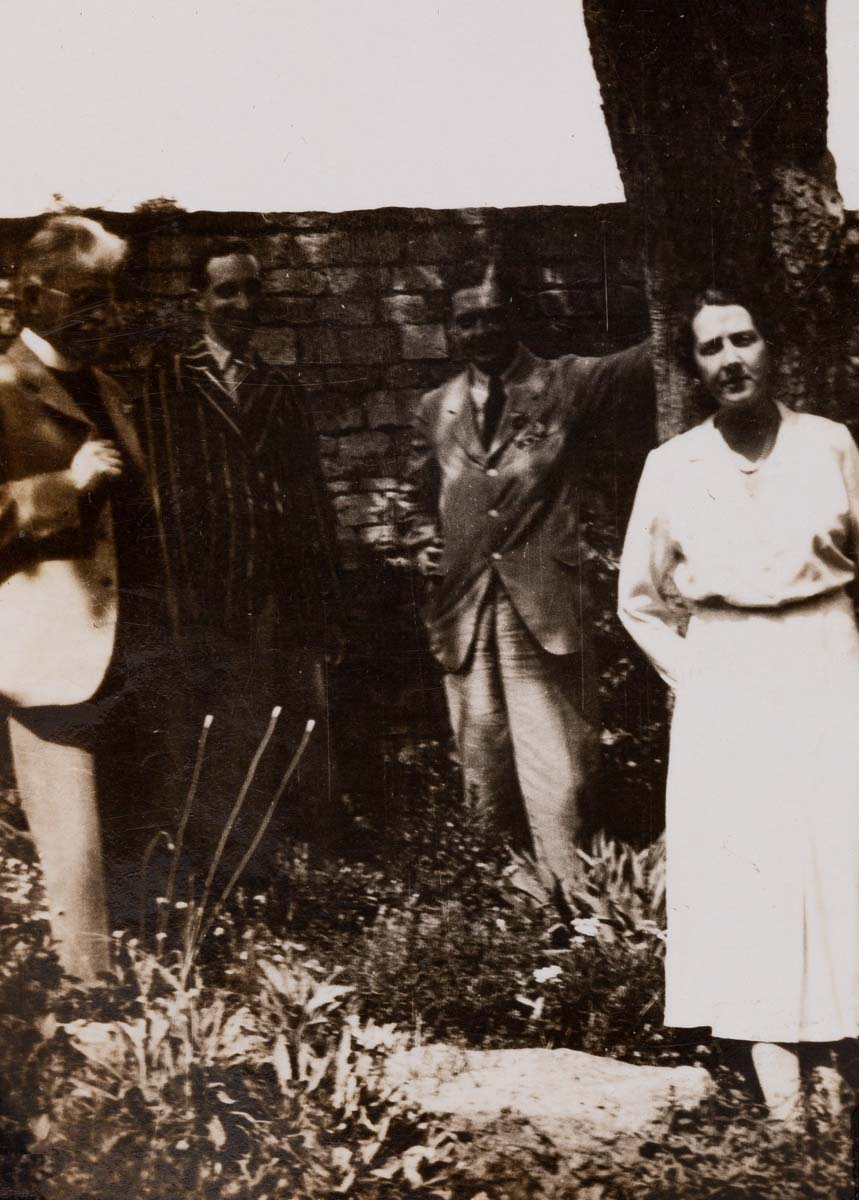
[(648, 556), (620, 388)]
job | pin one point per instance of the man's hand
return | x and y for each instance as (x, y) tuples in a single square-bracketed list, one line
[(95, 461), (428, 560)]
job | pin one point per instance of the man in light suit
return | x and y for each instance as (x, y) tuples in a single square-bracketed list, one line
[(79, 632), (492, 521)]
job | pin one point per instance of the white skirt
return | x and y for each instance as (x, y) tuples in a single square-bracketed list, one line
[(762, 825)]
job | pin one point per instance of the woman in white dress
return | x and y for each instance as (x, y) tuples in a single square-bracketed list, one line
[(752, 520)]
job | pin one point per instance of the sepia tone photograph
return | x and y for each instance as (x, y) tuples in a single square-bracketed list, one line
[(436, 425)]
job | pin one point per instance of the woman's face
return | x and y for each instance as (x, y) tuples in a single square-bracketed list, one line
[(730, 354)]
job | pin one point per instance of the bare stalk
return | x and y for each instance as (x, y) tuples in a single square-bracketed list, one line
[(183, 822), (263, 826), (250, 774)]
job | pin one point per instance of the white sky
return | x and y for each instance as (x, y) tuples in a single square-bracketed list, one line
[(288, 105), (300, 104)]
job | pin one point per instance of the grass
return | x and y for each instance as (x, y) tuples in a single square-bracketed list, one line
[(242, 1054)]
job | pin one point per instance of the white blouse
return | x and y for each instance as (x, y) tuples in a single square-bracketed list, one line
[(749, 535)]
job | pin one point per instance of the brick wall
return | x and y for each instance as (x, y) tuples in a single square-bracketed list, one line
[(355, 305)]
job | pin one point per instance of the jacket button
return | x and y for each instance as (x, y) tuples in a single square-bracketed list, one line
[(491, 472), (493, 512), (495, 555)]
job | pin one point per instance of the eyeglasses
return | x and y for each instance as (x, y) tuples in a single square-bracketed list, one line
[(85, 298)]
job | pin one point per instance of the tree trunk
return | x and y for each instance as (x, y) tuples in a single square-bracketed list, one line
[(717, 115)]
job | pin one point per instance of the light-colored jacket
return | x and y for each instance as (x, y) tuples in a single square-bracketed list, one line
[(512, 512), (58, 563)]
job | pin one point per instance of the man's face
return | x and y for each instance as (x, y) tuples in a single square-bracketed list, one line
[(480, 328), (74, 309), (731, 355), (230, 300)]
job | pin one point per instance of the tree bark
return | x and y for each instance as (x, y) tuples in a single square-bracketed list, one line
[(717, 115)]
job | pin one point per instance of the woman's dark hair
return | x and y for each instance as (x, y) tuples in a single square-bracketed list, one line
[(721, 298), (218, 248)]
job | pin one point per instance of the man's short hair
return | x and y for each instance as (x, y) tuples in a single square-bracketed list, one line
[(217, 248), (472, 272), (719, 297), (65, 238)]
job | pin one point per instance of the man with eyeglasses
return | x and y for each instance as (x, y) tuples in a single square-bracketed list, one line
[(81, 641), (248, 531)]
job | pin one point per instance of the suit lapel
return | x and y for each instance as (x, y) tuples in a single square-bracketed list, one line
[(525, 391), (115, 405), (201, 366), (38, 380), (460, 412)]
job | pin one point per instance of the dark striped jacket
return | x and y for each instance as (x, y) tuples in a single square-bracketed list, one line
[(244, 519)]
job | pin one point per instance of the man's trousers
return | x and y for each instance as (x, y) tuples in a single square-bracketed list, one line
[(525, 723), (90, 781)]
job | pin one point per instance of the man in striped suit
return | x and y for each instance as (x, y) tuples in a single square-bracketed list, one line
[(248, 539)]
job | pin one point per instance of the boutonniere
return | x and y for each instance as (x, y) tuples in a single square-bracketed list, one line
[(528, 431)]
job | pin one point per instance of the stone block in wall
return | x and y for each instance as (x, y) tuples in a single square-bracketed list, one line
[(363, 508), (287, 310), (423, 341), (575, 239), (167, 283), (278, 346), (334, 248), (413, 309), (391, 408), (375, 483), (353, 454), (342, 280), (374, 244), (346, 309), (415, 278), (339, 379), (296, 280), (338, 420), (410, 375), (324, 344), (383, 538), (363, 447), (445, 244), (169, 252)]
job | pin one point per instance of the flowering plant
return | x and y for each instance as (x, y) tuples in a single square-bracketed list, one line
[(528, 430)]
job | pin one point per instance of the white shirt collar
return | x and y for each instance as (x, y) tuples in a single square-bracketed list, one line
[(222, 356), (47, 354)]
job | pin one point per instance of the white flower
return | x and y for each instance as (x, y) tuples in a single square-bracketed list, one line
[(587, 926), (500, 923), (545, 974), (182, 1144), (218, 931)]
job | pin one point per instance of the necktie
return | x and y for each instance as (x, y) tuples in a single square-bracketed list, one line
[(492, 410)]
